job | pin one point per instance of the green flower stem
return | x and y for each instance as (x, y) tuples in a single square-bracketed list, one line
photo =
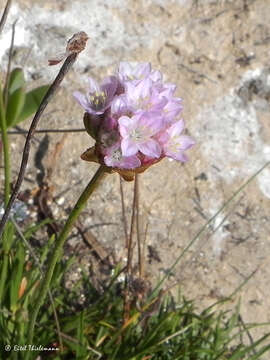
[(5, 147), (6, 238), (44, 286)]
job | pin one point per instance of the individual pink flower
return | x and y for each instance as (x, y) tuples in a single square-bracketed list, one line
[(155, 76), (137, 134), (173, 105), (114, 158), (144, 96), (172, 109), (133, 72), (120, 106), (174, 144), (99, 97)]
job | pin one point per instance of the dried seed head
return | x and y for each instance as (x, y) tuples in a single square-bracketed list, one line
[(75, 45)]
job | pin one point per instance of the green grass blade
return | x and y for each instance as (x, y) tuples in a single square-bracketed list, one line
[(16, 276)]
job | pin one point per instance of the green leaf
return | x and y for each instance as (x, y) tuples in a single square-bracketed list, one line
[(79, 349), (16, 96), (32, 101), (16, 276), (15, 105), (16, 80)]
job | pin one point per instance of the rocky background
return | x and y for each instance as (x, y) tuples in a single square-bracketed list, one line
[(217, 52)]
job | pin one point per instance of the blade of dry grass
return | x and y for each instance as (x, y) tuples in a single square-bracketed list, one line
[(4, 16)]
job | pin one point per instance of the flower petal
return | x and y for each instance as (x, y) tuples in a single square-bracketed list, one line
[(109, 86), (142, 90), (119, 105), (179, 156), (142, 70), (130, 162), (128, 147), (125, 69), (151, 120), (81, 98), (176, 128), (150, 148), (125, 124), (156, 75), (93, 86), (185, 142)]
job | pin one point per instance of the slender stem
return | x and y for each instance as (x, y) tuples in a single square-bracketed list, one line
[(5, 142), (9, 62), (132, 223), (129, 259), (45, 131), (140, 259), (124, 218), (6, 239), (5, 247), (44, 286), (48, 96), (5, 14), (4, 270)]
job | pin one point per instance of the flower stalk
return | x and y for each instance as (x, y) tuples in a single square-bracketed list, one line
[(44, 286), (75, 45), (5, 143)]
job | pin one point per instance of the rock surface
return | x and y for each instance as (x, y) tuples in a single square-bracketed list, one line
[(217, 52)]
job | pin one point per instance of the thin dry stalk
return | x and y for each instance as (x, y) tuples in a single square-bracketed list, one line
[(144, 246), (124, 218), (45, 131), (129, 258), (9, 62), (70, 60), (140, 259), (4, 16)]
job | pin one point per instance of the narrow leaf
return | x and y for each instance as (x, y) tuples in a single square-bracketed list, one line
[(16, 80), (15, 105), (32, 101)]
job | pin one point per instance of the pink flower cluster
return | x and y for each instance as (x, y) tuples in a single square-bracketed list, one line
[(135, 118)]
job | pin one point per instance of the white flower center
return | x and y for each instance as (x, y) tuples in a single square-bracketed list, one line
[(140, 134), (117, 155)]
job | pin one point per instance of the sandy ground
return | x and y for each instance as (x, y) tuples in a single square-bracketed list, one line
[(217, 52)]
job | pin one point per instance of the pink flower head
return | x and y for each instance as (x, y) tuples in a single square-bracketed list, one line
[(99, 97), (174, 144), (134, 119), (137, 134)]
